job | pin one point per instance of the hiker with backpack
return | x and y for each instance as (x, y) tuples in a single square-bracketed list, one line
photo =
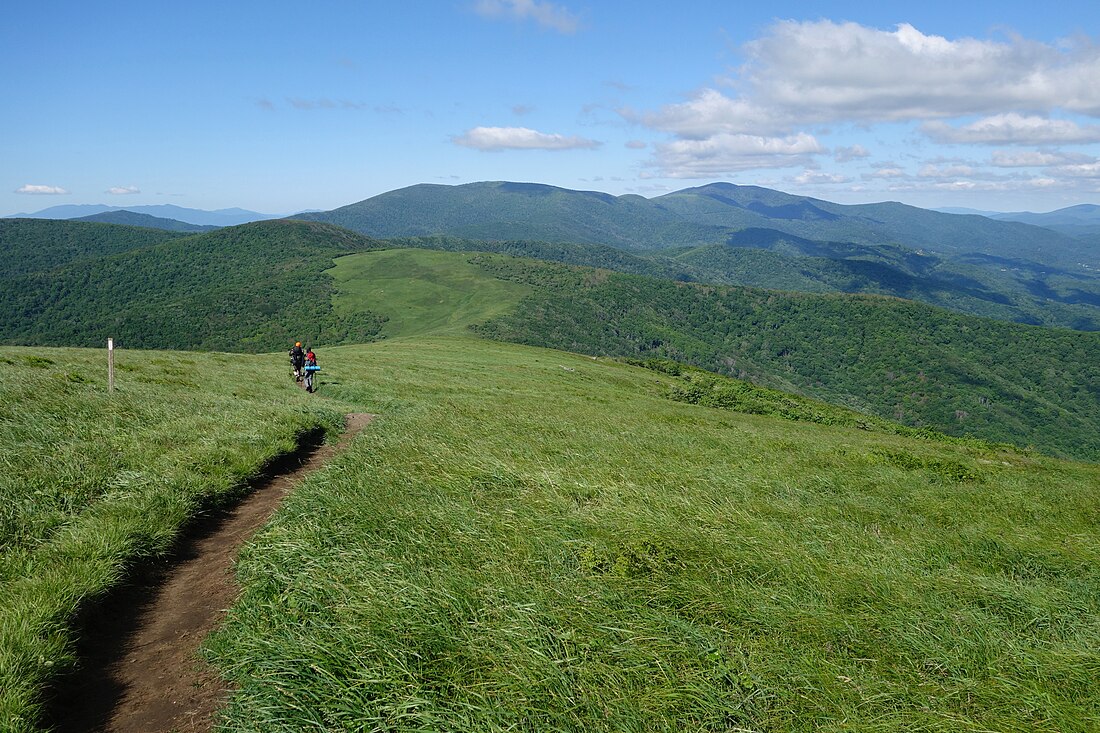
[(297, 360), (310, 368)]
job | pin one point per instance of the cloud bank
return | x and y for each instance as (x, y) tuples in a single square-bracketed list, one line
[(799, 76)]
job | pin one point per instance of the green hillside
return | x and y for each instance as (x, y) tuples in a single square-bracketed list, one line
[(42, 245), (534, 540), (771, 259), (252, 287), (920, 365)]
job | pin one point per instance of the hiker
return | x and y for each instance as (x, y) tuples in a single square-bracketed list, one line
[(297, 360), (310, 369)]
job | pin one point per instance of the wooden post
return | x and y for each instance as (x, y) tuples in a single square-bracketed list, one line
[(110, 365)]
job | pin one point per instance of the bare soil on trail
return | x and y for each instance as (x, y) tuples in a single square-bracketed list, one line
[(140, 670)]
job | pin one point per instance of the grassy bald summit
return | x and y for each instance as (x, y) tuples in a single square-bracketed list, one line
[(421, 291), (922, 366), (531, 540)]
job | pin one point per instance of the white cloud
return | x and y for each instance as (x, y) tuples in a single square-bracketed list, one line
[(1080, 170), (832, 71), (546, 14), (636, 144), (1036, 158), (855, 152), (1013, 129), (122, 190), (520, 138), (887, 172), (36, 190), (712, 113), (818, 177), (725, 153), (799, 77), (817, 72), (947, 171)]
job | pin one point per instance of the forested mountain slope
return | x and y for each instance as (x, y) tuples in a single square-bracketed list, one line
[(252, 287)]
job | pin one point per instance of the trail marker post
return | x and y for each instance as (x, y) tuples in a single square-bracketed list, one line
[(110, 365)]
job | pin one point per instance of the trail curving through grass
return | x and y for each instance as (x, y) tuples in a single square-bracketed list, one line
[(140, 668)]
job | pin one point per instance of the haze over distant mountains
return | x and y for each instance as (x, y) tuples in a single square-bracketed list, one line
[(219, 217)]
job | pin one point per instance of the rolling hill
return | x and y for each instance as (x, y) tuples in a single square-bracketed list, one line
[(531, 211)]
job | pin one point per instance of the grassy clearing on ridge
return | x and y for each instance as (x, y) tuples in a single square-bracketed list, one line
[(91, 482), (420, 291), (531, 540)]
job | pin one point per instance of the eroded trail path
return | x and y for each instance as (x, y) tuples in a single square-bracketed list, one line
[(140, 668)]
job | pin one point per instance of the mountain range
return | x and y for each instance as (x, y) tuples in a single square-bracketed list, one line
[(746, 235), (201, 217), (703, 215)]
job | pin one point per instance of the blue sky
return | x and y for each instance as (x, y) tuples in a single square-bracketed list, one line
[(278, 106)]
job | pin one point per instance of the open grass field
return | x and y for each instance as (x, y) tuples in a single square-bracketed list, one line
[(530, 540)]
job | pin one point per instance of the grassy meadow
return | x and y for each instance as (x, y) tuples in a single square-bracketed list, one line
[(92, 483), (531, 540), (420, 291)]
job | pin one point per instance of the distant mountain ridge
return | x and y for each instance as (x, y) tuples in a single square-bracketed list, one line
[(201, 217), (1001, 269), (129, 218), (691, 217), (1082, 220)]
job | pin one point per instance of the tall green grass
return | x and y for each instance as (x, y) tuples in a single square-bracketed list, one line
[(529, 540), (92, 483)]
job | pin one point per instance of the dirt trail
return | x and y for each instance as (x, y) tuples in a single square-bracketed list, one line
[(140, 668)]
